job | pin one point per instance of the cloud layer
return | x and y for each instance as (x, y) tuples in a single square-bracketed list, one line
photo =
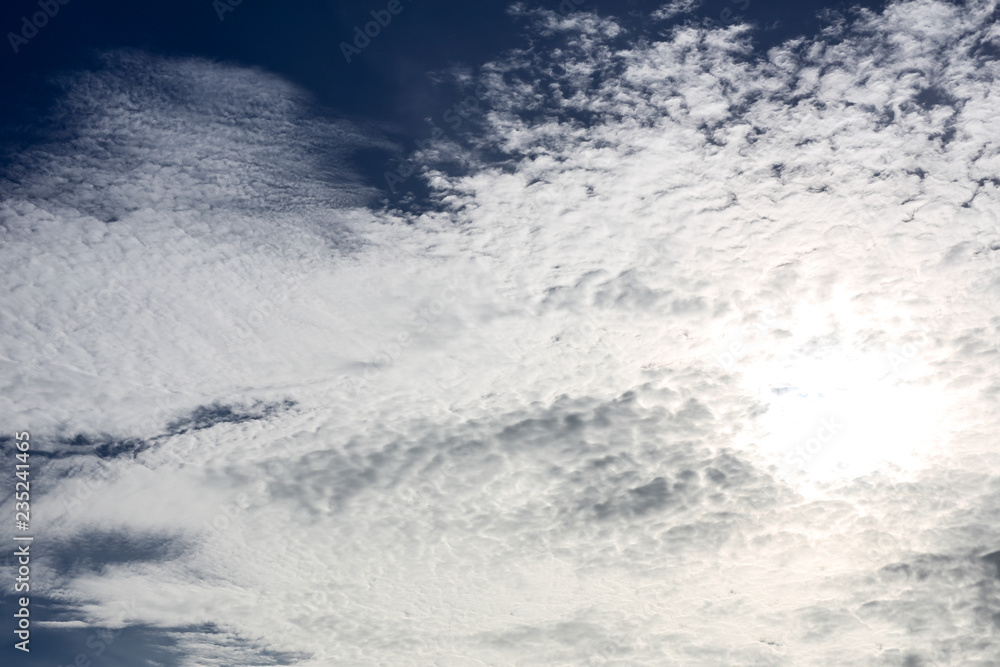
[(591, 409)]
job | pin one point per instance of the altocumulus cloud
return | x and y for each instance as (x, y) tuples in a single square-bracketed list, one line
[(505, 436)]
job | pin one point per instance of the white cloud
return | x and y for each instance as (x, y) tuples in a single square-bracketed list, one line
[(676, 8), (513, 441)]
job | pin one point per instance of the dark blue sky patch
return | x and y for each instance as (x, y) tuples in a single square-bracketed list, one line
[(254, 652), (395, 86), (103, 647), (934, 96), (130, 646), (93, 550), (207, 416), (988, 50), (107, 447), (101, 446), (993, 559)]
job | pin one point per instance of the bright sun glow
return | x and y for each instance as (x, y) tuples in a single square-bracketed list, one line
[(844, 414)]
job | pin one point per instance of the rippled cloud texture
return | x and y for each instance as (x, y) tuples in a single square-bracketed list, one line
[(701, 370)]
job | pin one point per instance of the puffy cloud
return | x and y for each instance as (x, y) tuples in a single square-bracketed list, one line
[(586, 410)]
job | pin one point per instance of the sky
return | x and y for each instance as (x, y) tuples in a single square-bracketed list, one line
[(524, 334)]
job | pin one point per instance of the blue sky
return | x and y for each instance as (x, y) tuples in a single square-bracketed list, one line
[(390, 84), (601, 334)]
